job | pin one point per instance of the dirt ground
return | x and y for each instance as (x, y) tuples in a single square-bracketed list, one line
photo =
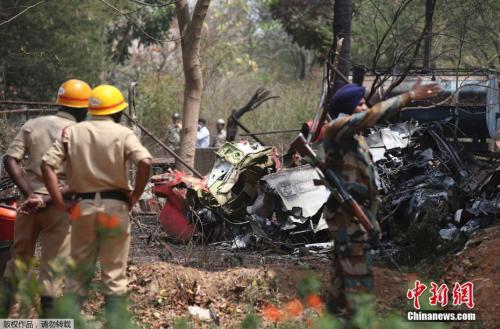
[(479, 262), (166, 278)]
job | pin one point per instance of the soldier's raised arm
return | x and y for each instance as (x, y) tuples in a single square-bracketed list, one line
[(352, 115)]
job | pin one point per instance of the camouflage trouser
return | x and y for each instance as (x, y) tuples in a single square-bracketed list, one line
[(352, 267)]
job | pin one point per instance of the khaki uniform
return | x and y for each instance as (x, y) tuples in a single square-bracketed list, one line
[(220, 138), (96, 153), (51, 225)]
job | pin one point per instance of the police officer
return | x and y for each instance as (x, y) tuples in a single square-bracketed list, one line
[(347, 154), (96, 152), (173, 135), (41, 218)]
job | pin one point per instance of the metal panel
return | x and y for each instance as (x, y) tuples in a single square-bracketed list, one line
[(296, 188)]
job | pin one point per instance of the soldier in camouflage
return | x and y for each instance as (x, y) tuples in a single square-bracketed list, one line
[(173, 136), (348, 155)]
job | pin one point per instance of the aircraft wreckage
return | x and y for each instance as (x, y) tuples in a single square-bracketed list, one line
[(432, 190), (438, 181)]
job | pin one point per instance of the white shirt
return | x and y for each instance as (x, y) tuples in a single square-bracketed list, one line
[(203, 138)]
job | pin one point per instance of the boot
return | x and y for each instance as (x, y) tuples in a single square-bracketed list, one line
[(7, 300), (48, 305), (117, 314)]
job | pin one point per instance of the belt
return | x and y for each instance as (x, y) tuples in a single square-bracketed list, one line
[(116, 195)]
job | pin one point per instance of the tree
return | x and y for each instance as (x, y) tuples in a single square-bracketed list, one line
[(147, 22), (429, 13), (51, 42), (342, 16), (190, 29), (385, 33), (307, 21)]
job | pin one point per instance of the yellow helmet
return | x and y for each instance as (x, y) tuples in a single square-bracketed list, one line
[(73, 93), (105, 100)]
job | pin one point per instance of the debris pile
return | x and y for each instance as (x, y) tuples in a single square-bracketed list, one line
[(430, 196), (247, 197)]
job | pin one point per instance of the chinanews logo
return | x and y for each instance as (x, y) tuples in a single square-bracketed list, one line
[(462, 295)]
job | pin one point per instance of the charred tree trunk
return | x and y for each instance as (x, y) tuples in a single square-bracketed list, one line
[(190, 30), (342, 16)]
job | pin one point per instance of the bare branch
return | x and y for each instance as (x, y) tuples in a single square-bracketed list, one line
[(131, 20), (20, 13), (152, 4), (415, 54), (395, 18)]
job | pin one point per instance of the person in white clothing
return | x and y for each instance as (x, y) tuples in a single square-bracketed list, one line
[(203, 135)]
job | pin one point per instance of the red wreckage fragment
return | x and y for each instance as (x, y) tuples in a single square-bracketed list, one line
[(172, 185)]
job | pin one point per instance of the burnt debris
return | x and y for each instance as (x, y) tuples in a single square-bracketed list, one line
[(432, 197)]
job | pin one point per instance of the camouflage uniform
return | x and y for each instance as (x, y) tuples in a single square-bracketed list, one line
[(347, 154), (173, 136)]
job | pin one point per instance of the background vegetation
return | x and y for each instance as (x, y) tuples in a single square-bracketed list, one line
[(247, 44)]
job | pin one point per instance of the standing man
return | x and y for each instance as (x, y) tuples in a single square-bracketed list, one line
[(203, 135), (47, 222), (173, 136), (220, 137), (96, 152), (347, 154)]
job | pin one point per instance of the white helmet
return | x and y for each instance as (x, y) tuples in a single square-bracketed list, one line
[(220, 121)]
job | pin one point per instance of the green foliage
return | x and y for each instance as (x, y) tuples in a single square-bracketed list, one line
[(244, 39), (366, 317), (243, 51), (307, 286), (157, 99), (382, 37), (385, 33), (48, 44), (156, 102), (26, 285), (467, 34), (59, 40), (146, 24), (309, 22), (68, 306), (327, 321), (251, 321), (27, 288)]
